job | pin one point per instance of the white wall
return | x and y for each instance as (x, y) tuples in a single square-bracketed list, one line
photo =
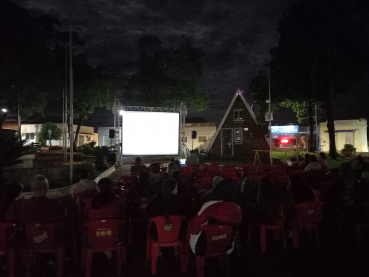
[(207, 130), (103, 136), (359, 128), (33, 130)]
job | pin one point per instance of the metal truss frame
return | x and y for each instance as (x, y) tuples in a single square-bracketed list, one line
[(117, 107)]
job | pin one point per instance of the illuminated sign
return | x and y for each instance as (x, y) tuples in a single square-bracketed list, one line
[(288, 129)]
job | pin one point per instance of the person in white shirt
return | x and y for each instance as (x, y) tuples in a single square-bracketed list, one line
[(314, 164), (192, 159), (83, 185)]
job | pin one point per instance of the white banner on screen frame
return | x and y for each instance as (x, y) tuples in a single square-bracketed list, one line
[(150, 133)]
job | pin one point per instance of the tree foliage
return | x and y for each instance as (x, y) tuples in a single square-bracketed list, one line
[(322, 52), (44, 132), (169, 76), (27, 53)]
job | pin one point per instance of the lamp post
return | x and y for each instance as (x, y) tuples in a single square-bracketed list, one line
[(49, 133), (3, 116)]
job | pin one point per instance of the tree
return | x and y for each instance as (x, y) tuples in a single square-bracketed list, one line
[(93, 87), (27, 51), (169, 76), (322, 52), (12, 147), (49, 131)]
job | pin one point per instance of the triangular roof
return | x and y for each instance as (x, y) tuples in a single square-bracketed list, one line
[(226, 115)]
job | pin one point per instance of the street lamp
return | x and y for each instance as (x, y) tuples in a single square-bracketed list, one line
[(4, 110)]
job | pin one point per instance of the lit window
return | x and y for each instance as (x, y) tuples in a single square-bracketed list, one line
[(238, 115), (202, 138), (238, 134)]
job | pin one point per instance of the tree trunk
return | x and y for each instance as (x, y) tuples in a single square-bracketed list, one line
[(311, 122), (330, 125), (77, 132), (329, 105)]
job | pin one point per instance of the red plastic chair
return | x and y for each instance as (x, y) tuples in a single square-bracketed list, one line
[(104, 235), (296, 172), (277, 228), (215, 164), (44, 238), (138, 213), (266, 167), (306, 218), (5, 248), (218, 239), (205, 174), (187, 171), (168, 236)]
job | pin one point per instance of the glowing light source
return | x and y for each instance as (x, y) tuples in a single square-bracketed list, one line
[(239, 92), (4, 110), (284, 141), (150, 133), (121, 112)]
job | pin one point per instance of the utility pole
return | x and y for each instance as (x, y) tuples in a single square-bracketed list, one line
[(270, 117), (71, 136)]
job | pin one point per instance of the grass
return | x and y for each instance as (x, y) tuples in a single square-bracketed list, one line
[(278, 157)]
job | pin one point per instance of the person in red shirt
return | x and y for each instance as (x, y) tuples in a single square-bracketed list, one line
[(105, 204), (220, 210), (37, 209)]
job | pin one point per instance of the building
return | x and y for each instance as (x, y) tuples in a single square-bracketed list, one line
[(234, 136), (347, 132), (86, 134), (204, 134), (103, 136)]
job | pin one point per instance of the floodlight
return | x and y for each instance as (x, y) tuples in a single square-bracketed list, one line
[(4, 110), (121, 112)]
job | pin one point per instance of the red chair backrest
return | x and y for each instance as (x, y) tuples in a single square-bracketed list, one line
[(208, 180), (218, 238), (41, 235), (246, 167), (163, 169), (4, 228), (103, 233), (167, 233), (308, 213), (215, 164), (135, 173), (297, 172), (205, 175), (187, 171)]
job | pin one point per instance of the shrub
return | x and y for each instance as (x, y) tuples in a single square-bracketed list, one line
[(348, 147)]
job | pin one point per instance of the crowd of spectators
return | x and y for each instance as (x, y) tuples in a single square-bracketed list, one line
[(344, 191)]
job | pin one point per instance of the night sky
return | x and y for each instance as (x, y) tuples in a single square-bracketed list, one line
[(235, 36)]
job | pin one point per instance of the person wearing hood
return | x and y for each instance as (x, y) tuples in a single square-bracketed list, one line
[(220, 210), (105, 204)]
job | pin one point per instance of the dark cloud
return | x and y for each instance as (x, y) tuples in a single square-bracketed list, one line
[(235, 35)]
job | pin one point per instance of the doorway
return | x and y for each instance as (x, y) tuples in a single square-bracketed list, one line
[(227, 142)]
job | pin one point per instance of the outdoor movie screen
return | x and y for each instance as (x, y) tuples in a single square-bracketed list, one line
[(150, 133)]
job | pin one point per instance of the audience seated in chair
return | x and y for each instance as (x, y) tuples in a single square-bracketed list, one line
[(268, 201), (83, 185), (181, 185), (305, 162), (192, 159), (171, 168), (207, 195), (143, 188), (299, 191), (314, 164), (221, 210), (138, 167), (105, 204), (164, 204), (10, 193), (37, 209), (323, 160)]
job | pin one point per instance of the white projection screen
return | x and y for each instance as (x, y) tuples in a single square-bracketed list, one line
[(150, 133)]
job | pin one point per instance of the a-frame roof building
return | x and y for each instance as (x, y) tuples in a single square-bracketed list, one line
[(234, 137)]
